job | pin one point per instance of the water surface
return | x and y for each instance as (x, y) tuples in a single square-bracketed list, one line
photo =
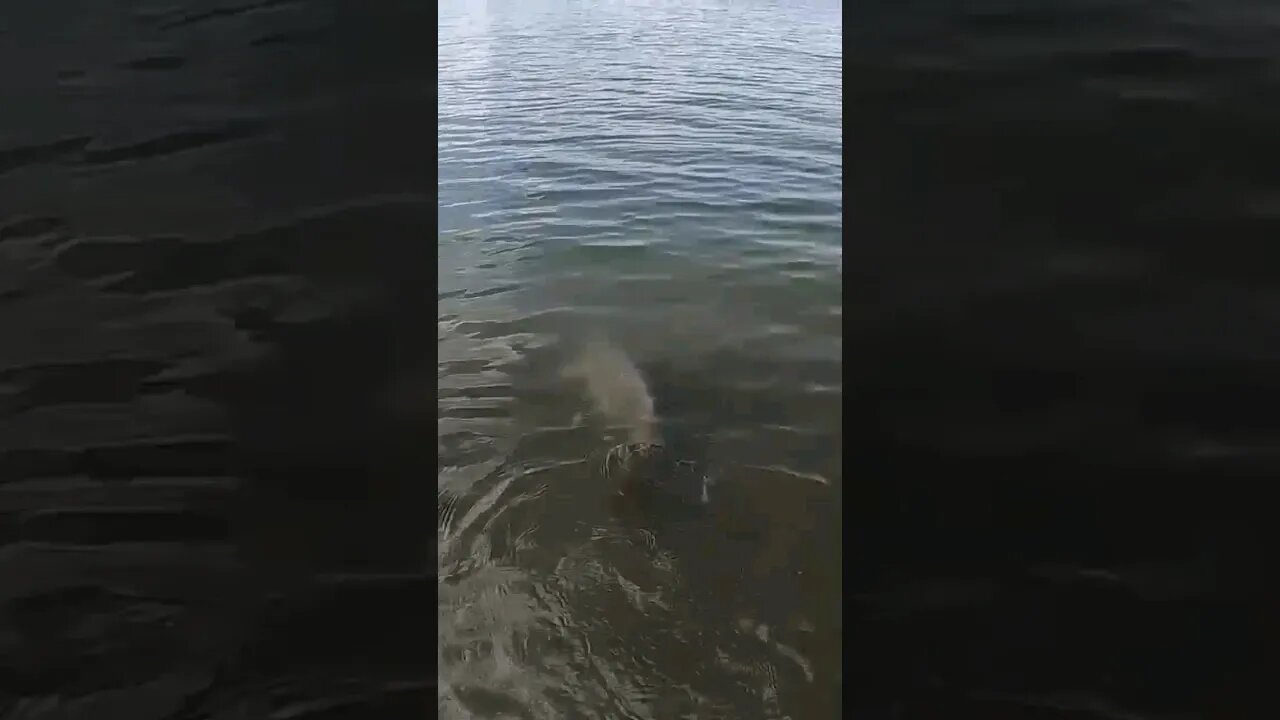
[(215, 262), (1063, 390), (664, 178)]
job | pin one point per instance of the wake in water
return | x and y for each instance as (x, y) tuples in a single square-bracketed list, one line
[(642, 465), (620, 395), (617, 390)]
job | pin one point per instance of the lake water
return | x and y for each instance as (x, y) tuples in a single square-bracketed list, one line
[(1063, 337), (657, 185), (216, 262), (217, 266)]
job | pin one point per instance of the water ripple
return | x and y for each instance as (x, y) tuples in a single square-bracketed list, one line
[(668, 178)]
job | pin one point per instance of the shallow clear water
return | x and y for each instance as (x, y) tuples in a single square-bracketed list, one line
[(665, 178)]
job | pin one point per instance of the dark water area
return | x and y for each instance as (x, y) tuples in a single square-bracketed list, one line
[(1063, 388), (215, 262), (215, 406)]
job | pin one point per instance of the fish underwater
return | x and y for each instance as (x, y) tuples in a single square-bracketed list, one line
[(642, 466)]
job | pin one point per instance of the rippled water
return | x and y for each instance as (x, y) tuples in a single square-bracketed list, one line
[(1064, 388), (663, 178), (216, 263)]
